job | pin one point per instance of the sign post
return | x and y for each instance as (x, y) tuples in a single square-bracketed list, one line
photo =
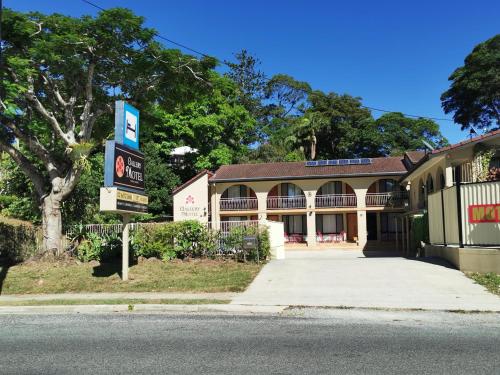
[(123, 190)]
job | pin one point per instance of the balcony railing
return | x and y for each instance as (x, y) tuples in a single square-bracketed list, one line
[(391, 199), (276, 203), (238, 204), (336, 200)]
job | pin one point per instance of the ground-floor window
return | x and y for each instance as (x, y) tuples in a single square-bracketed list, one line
[(295, 227), (329, 224), (295, 224), (234, 218)]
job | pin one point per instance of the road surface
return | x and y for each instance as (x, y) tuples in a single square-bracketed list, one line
[(302, 342)]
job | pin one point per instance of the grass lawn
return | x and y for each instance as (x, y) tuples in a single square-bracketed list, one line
[(490, 281), (148, 276)]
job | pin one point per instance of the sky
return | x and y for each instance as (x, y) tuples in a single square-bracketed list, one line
[(395, 55)]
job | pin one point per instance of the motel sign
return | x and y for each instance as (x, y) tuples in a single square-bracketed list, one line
[(484, 213)]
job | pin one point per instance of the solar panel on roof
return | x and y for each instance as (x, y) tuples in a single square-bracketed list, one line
[(320, 163)]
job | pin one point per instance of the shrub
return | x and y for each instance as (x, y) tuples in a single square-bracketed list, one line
[(18, 242), (99, 247), (235, 239), (174, 240)]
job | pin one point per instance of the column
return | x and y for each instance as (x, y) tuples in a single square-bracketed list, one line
[(362, 233), (361, 213), (261, 206), (311, 217)]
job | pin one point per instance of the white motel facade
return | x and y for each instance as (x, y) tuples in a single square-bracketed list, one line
[(335, 203)]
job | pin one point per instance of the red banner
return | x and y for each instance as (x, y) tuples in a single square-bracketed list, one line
[(484, 213)]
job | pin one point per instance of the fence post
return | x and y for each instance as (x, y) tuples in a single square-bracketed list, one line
[(458, 180), (443, 217)]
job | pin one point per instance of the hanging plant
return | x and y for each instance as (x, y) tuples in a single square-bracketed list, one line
[(79, 152)]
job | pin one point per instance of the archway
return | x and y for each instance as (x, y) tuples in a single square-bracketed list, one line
[(285, 195), (335, 194), (440, 180), (238, 198)]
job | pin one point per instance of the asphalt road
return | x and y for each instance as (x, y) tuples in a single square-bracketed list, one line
[(304, 342)]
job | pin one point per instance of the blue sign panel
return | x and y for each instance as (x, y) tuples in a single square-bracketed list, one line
[(127, 125)]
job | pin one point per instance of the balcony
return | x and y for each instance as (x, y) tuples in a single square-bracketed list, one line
[(277, 203), (396, 199), (238, 204), (336, 200)]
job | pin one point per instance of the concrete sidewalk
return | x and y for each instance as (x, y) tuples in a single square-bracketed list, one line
[(348, 278), (121, 295)]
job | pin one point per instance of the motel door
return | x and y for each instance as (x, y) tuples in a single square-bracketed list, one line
[(352, 226)]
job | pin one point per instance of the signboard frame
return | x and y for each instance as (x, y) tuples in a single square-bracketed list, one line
[(126, 124), (129, 159)]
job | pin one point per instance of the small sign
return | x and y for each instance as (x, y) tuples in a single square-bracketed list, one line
[(123, 167), (127, 124), (119, 201), (484, 213)]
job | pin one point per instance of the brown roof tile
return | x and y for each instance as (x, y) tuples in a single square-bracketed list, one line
[(475, 139), (295, 170), (415, 156)]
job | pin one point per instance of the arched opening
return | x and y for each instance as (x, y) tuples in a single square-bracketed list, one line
[(335, 194), (421, 194), (238, 198), (285, 195), (386, 192), (440, 181), (429, 184)]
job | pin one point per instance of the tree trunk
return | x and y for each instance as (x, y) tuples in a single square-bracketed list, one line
[(313, 147), (52, 223)]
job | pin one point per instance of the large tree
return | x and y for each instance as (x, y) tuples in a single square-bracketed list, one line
[(60, 79), (474, 94), (397, 134)]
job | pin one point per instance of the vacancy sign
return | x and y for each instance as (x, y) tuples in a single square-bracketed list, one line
[(484, 213)]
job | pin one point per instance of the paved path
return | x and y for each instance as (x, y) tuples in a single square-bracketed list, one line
[(349, 278), (342, 342)]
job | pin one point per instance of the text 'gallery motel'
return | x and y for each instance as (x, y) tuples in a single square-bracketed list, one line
[(348, 202)]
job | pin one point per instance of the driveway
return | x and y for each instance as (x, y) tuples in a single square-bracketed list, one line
[(349, 278)]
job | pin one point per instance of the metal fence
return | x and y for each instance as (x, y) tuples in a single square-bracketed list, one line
[(452, 215)]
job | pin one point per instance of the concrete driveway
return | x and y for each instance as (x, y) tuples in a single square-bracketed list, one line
[(349, 278)]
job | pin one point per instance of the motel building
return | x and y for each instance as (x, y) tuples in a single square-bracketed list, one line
[(348, 203)]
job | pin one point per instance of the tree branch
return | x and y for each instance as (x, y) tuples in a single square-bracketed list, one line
[(36, 147), (27, 167), (89, 98), (30, 95)]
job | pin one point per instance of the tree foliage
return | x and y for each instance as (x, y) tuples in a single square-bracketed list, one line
[(474, 94)]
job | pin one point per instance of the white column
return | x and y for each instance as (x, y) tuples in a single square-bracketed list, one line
[(311, 217), (261, 206), (448, 175), (362, 233)]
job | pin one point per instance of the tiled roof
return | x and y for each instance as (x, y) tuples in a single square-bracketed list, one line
[(191, 180), (295, 170), (475, 139), (415, 156)]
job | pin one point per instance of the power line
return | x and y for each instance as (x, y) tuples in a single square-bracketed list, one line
[(407, 115), (265, 79)]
